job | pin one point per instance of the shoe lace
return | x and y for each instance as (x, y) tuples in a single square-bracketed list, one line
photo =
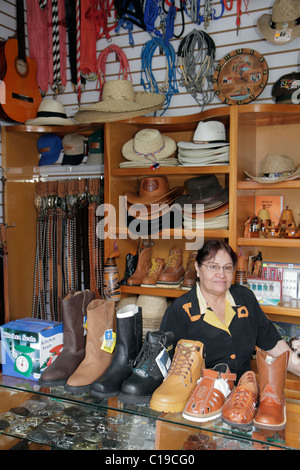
[(154, 267), (182, 362), (171, 261), (146, 357)]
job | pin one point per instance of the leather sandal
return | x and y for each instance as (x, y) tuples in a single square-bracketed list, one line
[(240, 406), (208, 397)]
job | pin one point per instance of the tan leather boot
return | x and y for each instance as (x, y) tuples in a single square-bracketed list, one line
[(271, 413), (100, 316), (190, 275), (157, 265), (172, 395), (143, 266), (173, 272)]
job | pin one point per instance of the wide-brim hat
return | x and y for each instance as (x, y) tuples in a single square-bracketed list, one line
[(204, 193), (208, 135), (283, 26), (149, 144), (50, 113), (276, 168), (120, 101), (154, 189)]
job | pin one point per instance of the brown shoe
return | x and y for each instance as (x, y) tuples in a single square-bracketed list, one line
[(173, 272), (190, 272), (271, 413), (142, 268), (240, 406), (100, 317), (208, 397), (185, 370), (157, 265)]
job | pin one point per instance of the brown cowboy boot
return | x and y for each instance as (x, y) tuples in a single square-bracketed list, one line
[(271, 413), (143, 265), (190, 272)]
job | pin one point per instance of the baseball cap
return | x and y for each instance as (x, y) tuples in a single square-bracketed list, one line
[(284, 89), (96, 148), (49, 146), (73, 145)]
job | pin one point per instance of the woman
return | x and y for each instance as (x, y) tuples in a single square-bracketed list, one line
[(226, 318)]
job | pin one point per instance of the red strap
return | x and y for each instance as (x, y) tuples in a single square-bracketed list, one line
[(101, 65)]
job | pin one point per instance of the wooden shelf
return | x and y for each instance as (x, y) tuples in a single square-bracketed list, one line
[(270, 242), (171, 170), (293, 184), (159, 291)]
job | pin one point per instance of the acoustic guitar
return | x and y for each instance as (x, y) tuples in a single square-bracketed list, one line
[(19, 93)]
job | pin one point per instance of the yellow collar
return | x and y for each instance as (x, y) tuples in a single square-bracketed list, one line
[(210, 317)]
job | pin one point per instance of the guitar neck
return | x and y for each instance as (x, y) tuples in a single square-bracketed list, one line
[(21, 30)]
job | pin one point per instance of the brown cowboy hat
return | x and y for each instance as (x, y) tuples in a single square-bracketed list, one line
[(154, 189)]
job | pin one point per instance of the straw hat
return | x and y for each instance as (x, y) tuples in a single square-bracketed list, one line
[(148, 145), (276, 168), (154, 189), (50, 113), (283, 25), (120, 101), (153, 309)]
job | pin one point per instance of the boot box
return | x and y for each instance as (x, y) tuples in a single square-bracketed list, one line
[(29, 345)]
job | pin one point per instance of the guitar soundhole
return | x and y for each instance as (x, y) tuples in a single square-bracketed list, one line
[(21, 67)]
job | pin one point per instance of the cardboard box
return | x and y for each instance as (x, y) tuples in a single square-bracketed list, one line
[(29, 345)]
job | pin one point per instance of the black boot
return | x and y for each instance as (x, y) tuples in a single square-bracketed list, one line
[(146, 375), (128, 345), (131, 263)]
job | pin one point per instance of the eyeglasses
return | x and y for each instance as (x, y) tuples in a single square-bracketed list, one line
[(214, 267)]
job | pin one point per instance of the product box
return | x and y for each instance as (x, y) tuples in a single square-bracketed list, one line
[(29, 345), (266, 291)]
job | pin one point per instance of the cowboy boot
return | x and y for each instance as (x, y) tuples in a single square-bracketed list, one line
[(128, 345), (131, 264), (271, 413), (74, 306), (172, 395), (143, 265), (100, 316), (173, 272)]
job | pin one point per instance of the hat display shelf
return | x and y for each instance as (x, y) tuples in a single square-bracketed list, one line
[(264, 130), (121, 181)]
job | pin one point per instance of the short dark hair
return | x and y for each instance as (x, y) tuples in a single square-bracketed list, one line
[(211, 248)]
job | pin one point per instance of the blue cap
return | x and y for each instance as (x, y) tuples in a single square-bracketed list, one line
[(49, 146)]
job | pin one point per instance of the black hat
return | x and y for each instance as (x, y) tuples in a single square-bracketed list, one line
[(205, 190), (284, 89)]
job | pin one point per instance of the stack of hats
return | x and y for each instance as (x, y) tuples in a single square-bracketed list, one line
[(209, 146), (149, 148), (206, 205), (50, 148), (50, 113), (74, 149), (96, 148), (153, 207)]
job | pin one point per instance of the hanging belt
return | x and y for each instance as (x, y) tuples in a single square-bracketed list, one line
[(60, 236), (94, 200)]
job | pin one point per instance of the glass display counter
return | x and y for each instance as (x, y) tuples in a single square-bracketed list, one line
[(35, 417)]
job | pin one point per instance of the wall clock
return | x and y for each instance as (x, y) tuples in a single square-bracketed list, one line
[(240, 76)]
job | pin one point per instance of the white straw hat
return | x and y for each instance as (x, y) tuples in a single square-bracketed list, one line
[(149, 144), (50, 113)]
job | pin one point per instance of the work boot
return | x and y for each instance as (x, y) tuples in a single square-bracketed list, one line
[(142, 268), (74, 306), (208, 397), (271, 413), (190, 275), (100, 317), (128, 345), (157, 265), (173, 272), (240, 407), (147, 375), (171, 396)]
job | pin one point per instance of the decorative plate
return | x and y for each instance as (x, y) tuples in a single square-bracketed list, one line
[(240, 76)]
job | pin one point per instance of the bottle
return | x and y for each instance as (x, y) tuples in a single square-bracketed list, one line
[(111, 281)]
